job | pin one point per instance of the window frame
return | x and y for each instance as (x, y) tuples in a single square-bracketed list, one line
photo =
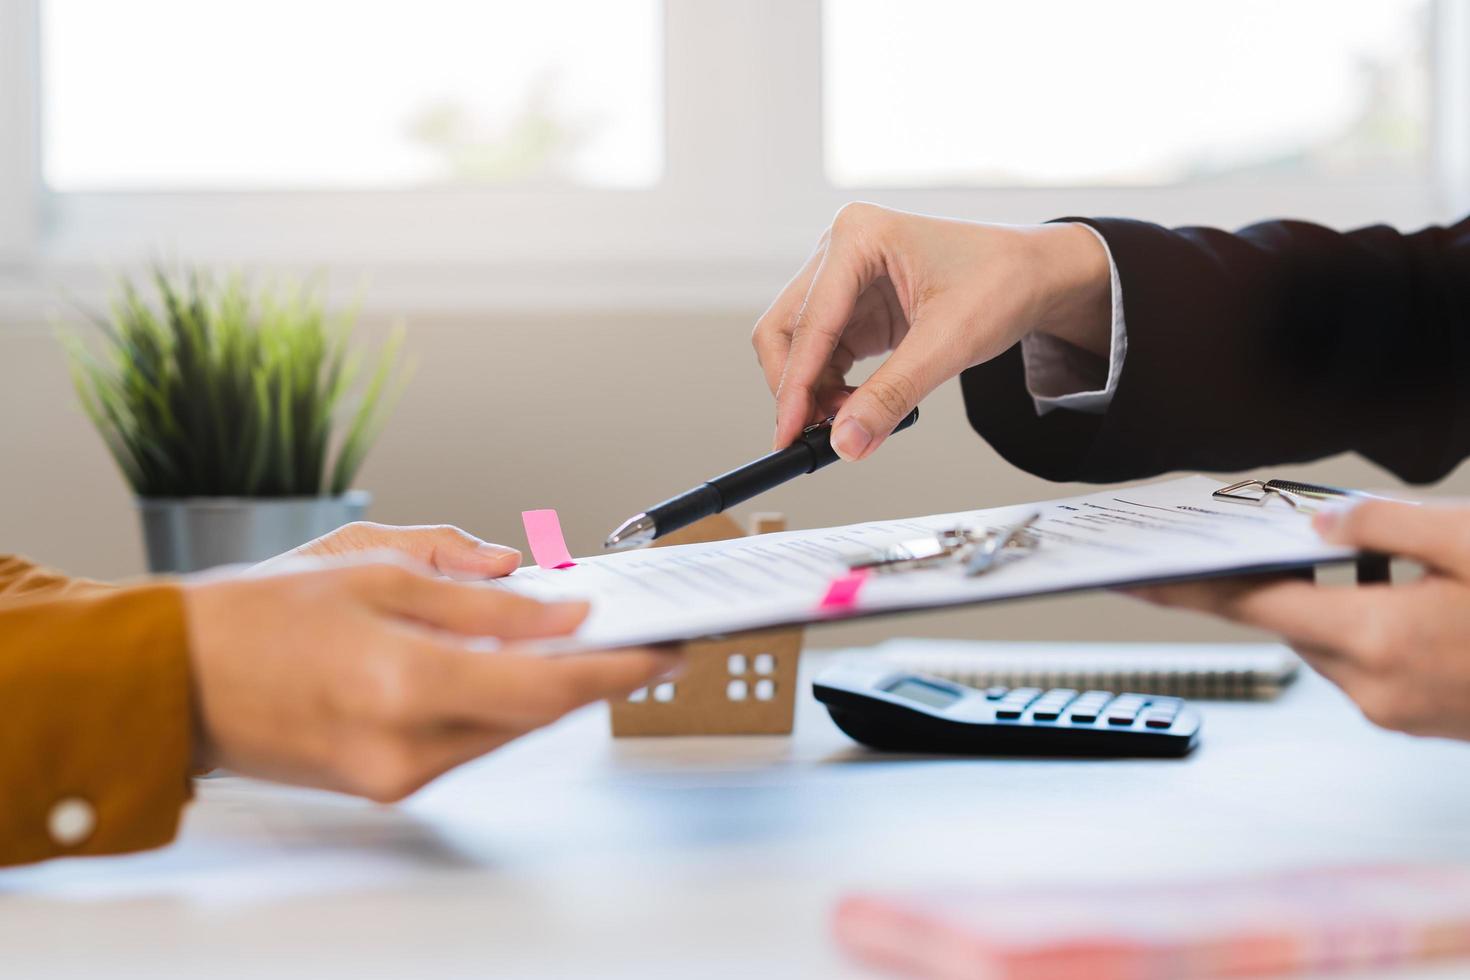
[(743, 196), (20, 172)]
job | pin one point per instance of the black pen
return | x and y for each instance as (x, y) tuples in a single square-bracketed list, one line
[(811, 451)]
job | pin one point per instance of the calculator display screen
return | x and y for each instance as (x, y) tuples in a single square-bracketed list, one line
[(923, 692)]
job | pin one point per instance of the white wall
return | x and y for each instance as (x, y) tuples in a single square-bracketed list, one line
[(596, 416)]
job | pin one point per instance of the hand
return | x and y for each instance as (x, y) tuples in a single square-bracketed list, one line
[(359, 676), (941, 295), (447, 550), (1402, 652)]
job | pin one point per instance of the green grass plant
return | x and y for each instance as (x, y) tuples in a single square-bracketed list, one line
[(219, 389)]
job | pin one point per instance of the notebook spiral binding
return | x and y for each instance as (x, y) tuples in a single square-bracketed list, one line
[(1204, 671)]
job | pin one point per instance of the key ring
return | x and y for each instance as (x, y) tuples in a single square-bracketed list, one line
[(974, 552)]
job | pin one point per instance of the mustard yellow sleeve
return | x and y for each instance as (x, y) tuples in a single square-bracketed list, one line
[(20, 578), (95, 715)]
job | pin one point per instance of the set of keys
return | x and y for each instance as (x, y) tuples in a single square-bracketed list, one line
[(973, 551)]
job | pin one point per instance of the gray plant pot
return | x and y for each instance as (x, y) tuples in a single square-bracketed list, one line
[(191, 534)]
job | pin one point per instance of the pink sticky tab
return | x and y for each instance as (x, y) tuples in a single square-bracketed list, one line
[(543, 531), (843, 592)]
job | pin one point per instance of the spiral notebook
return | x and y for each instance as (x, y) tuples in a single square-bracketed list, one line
[(1225, 671)]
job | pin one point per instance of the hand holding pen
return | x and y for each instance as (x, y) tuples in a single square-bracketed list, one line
[(937, 296)]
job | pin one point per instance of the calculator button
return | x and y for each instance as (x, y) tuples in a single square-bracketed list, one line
[(1121, 717), (995, 693), (1052, 704), (1155, 720), (1086, 709), (1022, 695), (1009, 714)]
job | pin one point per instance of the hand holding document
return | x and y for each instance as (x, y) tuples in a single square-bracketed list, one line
[(1162, 531)]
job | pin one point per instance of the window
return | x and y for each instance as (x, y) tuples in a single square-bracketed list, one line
[(180, 95), (595, 154), (1146, 92)]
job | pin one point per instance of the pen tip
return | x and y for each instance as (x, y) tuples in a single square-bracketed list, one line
[(632, 533)]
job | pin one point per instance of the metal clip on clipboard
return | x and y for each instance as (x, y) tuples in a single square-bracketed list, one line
[(1307, 498), (975, 552)]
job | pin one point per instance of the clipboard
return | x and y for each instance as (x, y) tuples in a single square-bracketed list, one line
[(1167, 531), (1309, 497)]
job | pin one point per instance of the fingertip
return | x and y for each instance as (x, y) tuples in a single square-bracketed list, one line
[(1330, 521), (482, 562), (852, 440), (565, 616), (786, 432), (504, 560), (643, 666), (793, 406), (669, 663)]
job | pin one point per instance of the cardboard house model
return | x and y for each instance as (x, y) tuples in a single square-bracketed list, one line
[(743, 684)]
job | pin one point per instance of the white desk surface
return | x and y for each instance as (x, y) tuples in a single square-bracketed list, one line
[(569, 854)]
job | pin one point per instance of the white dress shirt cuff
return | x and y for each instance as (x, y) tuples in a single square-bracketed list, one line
[(1061, 375)]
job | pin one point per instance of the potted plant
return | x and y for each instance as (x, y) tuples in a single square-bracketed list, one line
[(221, 404)]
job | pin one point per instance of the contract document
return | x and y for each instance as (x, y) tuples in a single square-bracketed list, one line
[(1162, 531)]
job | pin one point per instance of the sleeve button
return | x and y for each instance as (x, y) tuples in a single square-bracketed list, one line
[(71, 821)]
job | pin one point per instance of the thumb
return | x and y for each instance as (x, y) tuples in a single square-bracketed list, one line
[(444, 548), (459, 554), (1427, 533), (873, 411)]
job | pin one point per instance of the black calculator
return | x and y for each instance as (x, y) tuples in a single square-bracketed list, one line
[(901, 711)]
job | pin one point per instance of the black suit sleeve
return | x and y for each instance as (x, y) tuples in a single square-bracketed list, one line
[(1280, 343)]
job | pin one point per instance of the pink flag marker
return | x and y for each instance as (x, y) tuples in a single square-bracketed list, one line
[(543, 531), (843, 592)]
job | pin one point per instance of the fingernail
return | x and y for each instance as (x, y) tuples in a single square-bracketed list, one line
[(568, 612), (497, 551), (850, 439), (1329, 518)]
